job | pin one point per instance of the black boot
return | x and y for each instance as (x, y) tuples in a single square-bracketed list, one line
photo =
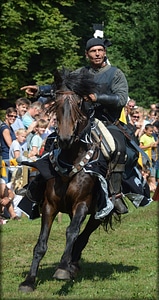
[(115, 188), (120, 206)]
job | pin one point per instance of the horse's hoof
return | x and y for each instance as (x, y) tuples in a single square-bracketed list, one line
[(74, 269), (62, 274), (26, 288)]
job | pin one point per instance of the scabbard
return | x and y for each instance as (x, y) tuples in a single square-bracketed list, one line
[(140, 150)]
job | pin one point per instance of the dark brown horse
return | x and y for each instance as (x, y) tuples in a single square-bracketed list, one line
[(73, 191)]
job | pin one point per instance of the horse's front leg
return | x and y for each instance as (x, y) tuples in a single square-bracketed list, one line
[(48, 215), (64, 268)]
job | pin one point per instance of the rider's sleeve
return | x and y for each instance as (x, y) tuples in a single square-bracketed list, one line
[(45, 90), (119, 92)]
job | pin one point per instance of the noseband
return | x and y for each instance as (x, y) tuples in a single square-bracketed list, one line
[(65, 92)]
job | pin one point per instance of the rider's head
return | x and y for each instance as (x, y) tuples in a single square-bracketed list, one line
[(94, 42), (95, 51)]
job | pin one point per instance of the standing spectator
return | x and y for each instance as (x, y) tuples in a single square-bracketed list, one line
[(22, 105), (156, 137), (51, 126), (32, 113), (7, 135), (151, 117), (130, 105), (50, 133), (133, 122), (141, 122), (148, 143), (153, 106), (30, 118)]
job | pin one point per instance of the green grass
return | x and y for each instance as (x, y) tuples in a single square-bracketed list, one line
[(119, 265)]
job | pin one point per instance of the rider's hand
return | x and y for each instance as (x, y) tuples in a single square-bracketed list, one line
[(30, 89), (91, 97)]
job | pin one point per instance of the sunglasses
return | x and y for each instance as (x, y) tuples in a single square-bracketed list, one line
[(12, 116), (136, 117)]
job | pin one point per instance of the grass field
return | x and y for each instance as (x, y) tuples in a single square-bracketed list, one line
[(121, 264)]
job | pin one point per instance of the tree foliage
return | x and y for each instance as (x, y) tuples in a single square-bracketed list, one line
[(38, 37)]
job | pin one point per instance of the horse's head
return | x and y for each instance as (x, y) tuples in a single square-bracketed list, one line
[(69, 116), (71, 87)]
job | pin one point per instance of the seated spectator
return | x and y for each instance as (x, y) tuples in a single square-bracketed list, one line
[(6, 202), (18, 147)]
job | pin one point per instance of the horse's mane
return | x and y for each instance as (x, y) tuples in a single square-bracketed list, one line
[(80, 82)]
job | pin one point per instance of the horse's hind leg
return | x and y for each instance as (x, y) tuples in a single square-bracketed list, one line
[(64, 268), (40, 249)]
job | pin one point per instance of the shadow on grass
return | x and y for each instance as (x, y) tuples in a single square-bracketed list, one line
[(89, 271)]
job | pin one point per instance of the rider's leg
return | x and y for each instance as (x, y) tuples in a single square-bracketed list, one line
[(118, 167), (115, 189)]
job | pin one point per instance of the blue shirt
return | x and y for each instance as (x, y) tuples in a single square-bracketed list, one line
[(18, 123), (4, 146), (27, 120)]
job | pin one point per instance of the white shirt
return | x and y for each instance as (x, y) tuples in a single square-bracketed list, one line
[(16, 146)]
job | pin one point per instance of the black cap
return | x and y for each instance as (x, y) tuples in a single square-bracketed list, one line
[(97, 42)]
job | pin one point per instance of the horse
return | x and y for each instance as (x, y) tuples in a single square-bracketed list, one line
[(74, 190)]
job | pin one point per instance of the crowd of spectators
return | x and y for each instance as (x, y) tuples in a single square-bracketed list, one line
[(145, 125), (23, 134)]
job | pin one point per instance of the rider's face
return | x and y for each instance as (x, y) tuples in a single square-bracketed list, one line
[(96, 56)]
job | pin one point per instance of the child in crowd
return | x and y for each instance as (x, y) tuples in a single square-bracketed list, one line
[(148, 144), (36, 141), (18, 146)]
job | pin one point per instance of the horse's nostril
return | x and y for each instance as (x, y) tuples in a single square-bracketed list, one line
[(65, 143)]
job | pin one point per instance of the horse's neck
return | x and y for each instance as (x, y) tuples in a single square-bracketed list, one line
[(74, 153)]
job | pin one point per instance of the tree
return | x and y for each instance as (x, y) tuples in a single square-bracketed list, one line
[(35, 39)]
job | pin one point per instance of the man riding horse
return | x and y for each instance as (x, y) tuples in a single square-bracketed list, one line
[(105, 106)]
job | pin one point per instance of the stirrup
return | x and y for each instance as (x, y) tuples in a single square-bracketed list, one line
[(120, 206)]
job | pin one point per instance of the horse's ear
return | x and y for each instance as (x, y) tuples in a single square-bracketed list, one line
[(58, 79)]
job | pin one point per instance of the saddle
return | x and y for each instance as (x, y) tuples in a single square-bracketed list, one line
[(103, 136)]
